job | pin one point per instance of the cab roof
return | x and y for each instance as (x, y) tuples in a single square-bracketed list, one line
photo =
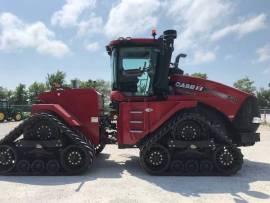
[(122, 42), (133, 40)]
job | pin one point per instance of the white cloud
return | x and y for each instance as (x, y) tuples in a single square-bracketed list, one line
[(203, 57), (130, 18), (71, 11), (92, 47), (266, 71), (197, 18), (263, 53), (247, 26), (92, 25), (228, 57), (55, 48), (16, 34), (198, 15)]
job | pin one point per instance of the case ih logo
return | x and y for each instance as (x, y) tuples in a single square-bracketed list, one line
[(189, 86)]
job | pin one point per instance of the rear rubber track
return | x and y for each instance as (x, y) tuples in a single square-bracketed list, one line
[(52, 164)]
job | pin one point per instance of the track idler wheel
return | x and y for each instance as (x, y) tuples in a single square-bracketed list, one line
[(38, 166), (75, 159), (155, 160), (228, 160), (53, 167), (23, 166), (8, 159)]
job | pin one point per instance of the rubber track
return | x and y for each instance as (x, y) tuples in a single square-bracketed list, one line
[(75, 137), (18, 131), (161, 132), (171, 124)]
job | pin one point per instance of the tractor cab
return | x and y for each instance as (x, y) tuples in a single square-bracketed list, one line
[(4, 104), (140, 66), (7, 112)]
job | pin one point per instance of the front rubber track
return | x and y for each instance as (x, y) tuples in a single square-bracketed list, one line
[(212, 160)]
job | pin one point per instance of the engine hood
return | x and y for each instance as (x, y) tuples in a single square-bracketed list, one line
[(223, 98), (201, 88)]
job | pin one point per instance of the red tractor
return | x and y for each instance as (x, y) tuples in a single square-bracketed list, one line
[(182, 125)]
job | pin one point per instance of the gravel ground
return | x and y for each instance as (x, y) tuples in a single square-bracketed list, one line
[(116, 177), (266, 118)]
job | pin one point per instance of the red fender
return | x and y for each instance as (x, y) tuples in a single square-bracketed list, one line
[(167, 113), (58, 110)]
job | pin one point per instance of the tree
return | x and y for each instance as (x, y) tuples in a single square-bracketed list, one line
[(101, 86), (88, 84), (75, 83), (34, 90), (200, 75), (57, 78), (20, 95), (245, 84), (3, 93), (10, 95), (263, 98)]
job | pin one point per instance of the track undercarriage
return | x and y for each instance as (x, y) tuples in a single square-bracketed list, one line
[(187, 144)]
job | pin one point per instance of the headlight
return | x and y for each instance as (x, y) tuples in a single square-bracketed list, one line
[(257, 120)]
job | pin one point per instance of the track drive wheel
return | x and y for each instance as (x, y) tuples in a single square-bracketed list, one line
[(228, 160), (155, 159), (43, 130), (8, 158), (18, 116), (2, 117), (191, 127), (99, 148), (75, 159)]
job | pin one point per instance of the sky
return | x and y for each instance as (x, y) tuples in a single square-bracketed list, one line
[(227, 39)]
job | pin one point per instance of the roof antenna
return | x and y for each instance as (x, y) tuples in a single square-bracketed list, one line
[(154, 33)]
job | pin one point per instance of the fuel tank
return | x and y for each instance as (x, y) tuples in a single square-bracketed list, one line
[(80, 108)]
